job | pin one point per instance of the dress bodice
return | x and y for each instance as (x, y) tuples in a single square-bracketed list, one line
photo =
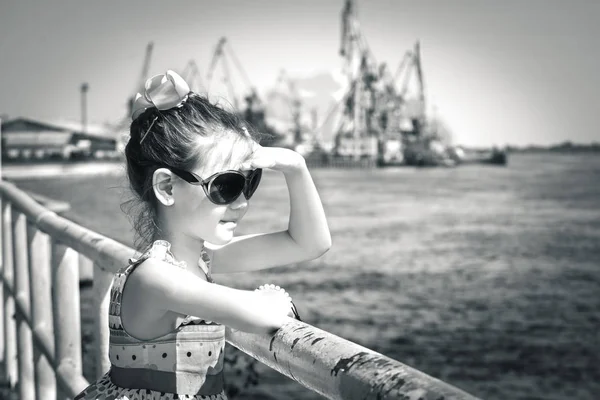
[(188, 360)]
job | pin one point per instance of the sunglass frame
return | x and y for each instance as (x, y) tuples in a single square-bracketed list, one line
[(196, 180)]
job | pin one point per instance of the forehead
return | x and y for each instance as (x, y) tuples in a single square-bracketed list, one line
[(225, 152)]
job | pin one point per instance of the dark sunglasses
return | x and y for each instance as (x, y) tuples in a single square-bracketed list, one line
[(223, 187)]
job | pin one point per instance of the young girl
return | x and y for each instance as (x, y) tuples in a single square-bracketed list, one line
[(196, 166)]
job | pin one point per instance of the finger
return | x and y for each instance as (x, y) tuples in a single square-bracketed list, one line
[(248, 165), (255, 146), (262, 163)]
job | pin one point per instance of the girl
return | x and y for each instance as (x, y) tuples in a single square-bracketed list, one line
[(195, 166)]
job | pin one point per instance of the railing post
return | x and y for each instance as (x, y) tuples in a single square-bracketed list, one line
[(8, 272), (41, 309), (86, 269), (24, 336), (66, 302), (101, 290), (2, 318), (2, 311)]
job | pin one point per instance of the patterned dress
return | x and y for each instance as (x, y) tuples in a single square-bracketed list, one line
[(184, 364)]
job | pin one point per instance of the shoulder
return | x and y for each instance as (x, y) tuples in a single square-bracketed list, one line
[(159, 280), (153, 265), (152, 273)]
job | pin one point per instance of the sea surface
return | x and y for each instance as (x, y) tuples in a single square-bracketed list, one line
[(486, 277)]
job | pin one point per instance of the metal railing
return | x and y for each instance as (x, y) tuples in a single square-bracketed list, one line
[(40, 337)]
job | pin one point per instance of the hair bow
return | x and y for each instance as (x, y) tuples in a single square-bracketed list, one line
[(164, 91)]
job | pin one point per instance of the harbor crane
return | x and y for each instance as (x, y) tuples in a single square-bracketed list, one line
[(139, 87), (377, 101), (224, 54), (191, 74), (356, 134), (292, 98), (121, 127), (254, 110)]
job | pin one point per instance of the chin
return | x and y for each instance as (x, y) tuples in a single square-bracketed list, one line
[(222, 237)]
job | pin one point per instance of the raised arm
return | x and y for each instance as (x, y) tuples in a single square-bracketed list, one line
[(307, 236)]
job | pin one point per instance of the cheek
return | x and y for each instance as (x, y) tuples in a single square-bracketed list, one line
[(199, 217), (244, 210), (204, 217), (194, 207), (205, 212)]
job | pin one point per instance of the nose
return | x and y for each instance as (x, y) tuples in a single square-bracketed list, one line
[(239, 204)]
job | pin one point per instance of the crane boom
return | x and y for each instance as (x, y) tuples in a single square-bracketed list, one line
[(403, 65), (419, 73), (227, 80), (218, 53), (145, 66), (142, 79), (294, 103), (191, 73), (406, 80), (239, 67), (254, 98), (224, 53), (347, 13)]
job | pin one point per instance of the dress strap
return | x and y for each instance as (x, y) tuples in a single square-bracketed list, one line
[(204, 264), (160, 249)]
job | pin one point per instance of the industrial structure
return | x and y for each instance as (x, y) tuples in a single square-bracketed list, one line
[(253, 107), (382, 117), (27, 138), (291, 106), (380, 121)]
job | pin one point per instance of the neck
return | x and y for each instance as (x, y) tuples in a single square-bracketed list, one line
[(184, 248)]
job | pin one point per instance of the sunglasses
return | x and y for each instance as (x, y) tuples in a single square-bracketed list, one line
[(223, 187)]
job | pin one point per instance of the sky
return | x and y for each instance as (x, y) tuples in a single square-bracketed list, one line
[(497, 72)]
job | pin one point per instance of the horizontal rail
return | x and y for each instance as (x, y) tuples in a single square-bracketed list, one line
[(338, 368), (107, 253), (322, 362), (58, 207)]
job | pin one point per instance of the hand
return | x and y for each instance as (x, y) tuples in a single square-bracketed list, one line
[(276, 158), (277, 299)]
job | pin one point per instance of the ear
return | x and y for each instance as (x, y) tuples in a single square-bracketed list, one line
[(162, 184)]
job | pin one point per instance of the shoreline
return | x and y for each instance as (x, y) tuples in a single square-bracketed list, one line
[(37, 170), (45, 170)]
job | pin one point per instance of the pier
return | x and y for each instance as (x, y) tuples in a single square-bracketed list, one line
[(40, 332)]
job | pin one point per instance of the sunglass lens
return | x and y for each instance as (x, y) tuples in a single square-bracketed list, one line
[(254, 180), (226, 188)]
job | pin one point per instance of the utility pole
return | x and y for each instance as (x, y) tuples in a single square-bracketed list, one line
[(296, 118), (84, 89), (1, 150), (419, 71)]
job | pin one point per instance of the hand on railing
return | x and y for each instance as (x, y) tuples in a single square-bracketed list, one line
[(279, 299)]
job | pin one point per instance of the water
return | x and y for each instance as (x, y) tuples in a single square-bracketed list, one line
[(485, 277)]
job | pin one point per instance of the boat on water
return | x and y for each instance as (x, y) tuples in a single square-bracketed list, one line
[(431, 152), (415, 155), (494, 156)]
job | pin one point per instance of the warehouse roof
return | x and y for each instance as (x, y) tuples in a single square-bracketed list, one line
[(17, 124), (41, 138)]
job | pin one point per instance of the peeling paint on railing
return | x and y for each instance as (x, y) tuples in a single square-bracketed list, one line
[(337, 368)]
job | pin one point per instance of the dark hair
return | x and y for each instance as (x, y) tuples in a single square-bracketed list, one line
[(172, 141)]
